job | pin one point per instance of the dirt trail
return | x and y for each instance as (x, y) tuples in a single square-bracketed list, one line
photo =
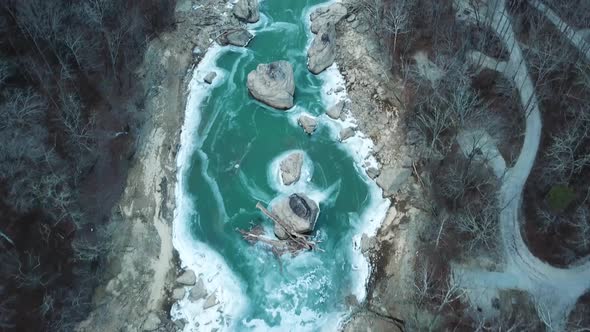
[(554, 290)]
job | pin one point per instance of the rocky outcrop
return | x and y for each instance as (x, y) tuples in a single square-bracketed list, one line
[(308, 124), (210, 77), (322, 52), (187, 278), (346, 133), (291, 168), (335, 111), (247, 10), (324, 15), (273, 84), (236, 37), (391, 179), (298, 211)]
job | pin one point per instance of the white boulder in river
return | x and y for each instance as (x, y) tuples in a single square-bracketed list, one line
[(322, 52), (298, 211), (308, 124), (291, 168), (273, 84), (247, 10), (330, 14)]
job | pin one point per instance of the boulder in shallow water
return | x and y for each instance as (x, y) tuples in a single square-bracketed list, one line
[(210, 301), (187, 278), (322, 52), (298, 211), (198, 291), (247, 10), (236, 37), (210, 77), (291, 168), (273, 84), (324, 15), (391, 179), (335, 111), (346, 133), (308, 124)]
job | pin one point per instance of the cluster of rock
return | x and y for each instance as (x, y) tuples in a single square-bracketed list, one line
[(298, 212), (322, 52), (196, 292)]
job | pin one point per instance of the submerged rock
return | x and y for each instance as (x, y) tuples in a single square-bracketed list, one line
[(391, 179), (236, 37), (346, 133), (187, 278), (273, 84), (322, 52), (210, 77), (335, 111), (298, 211), (247, 10), (308, 124), (324, 15), (197, 292), (291, 168)]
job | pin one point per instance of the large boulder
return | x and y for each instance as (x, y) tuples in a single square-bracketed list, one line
[(236, 37), (291, 168), (308, 124), (324, 15), (247, 10), (322, 52), (187, 278), (298, 211), (391, 179), (273, 84)]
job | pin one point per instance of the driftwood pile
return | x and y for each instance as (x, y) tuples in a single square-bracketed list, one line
[(294, 243)]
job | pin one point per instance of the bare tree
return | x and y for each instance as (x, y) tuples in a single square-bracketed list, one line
[(396, 20)]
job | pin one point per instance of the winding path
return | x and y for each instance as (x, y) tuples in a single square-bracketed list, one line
[(554, 290)]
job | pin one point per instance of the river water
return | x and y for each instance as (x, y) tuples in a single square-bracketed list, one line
[(228, 161)]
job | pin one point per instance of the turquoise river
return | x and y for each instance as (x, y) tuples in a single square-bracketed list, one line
[(228, 161)]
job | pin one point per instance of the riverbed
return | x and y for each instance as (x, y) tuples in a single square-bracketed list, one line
[(230, 149)]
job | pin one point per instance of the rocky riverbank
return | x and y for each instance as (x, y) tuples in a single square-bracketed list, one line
[(374, 95), (138, 286)]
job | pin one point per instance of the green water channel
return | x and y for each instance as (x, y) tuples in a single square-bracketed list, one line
[(230, 168)]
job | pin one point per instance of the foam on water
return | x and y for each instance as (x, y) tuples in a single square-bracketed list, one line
[(287, 294), (195, 255)]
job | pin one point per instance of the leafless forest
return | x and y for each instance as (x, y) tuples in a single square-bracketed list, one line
[(475, 75), (70, 106)]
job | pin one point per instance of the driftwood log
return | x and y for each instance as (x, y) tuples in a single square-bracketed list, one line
[(295, 243)]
